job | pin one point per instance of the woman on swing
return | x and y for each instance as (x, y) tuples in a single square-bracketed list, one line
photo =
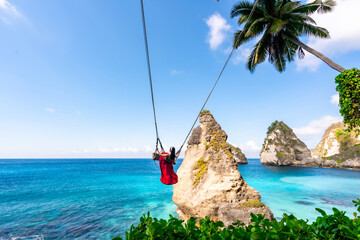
[(166, 162)]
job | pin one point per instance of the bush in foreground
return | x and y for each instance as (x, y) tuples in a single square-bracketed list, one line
[(332, 226)]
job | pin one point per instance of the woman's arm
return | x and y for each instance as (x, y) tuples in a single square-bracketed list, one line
[(164, 154)]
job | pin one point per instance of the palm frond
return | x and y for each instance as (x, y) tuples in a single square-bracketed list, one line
[(326, 6), (289, 7), (270, 6), (317, 5), (278, 5), (241, 8), (277, 25), (280, 23), (256, 27), (299, 17), (301, 53), (240, 38), (310, 30), (277, 54), (259, 53)]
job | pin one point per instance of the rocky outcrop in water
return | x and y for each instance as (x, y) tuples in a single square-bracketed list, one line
[(350, 158), (210, 183), (335, 140), (282, 147), (239, 156), (337, 149)]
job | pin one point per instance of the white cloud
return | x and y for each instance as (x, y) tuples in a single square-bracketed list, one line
[(250, 145), (250, 149), (174, 72), (50, 110), (242, 55), (148, 149), (317, 127), (343, 25), (218, 29), (335, 99), (6, 6), (7, 10), (119, 150)]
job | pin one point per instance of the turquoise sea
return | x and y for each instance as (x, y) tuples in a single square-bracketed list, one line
[(101, 198)]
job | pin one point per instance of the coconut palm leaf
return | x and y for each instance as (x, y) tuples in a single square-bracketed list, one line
[(279, 23)]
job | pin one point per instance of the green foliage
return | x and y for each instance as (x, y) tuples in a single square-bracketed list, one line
[(351, 153), (272, 127), (281, 155), (332, 226), (251, 204), (349, 92), (205, 112), (200, 170), (278, 25)]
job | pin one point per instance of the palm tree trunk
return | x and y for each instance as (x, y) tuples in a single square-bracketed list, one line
[(327, 60)]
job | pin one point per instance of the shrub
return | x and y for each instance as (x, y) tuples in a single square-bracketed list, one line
[(332, 226), (272, 127), (349, 94), (205, 112)]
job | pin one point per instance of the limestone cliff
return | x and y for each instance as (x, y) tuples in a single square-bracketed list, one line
[(282, 147), (350, 158), (210, 183), (335, 140), (337, 149), (239, 156)]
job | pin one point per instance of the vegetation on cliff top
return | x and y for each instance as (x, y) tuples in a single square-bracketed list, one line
[(333, 226), (279, 125), (205, 112), (284, 141)]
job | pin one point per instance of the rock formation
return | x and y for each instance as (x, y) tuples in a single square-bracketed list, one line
[(337, 149), (210, 183), (282, 147), (239, 156), (335, 140)]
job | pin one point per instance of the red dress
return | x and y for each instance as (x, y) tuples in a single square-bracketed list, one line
[(168, 176)]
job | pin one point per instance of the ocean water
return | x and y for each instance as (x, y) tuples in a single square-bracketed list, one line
[(299, 190), (101, 198)]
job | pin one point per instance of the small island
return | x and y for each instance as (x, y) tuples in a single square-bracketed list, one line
[(338, 148)]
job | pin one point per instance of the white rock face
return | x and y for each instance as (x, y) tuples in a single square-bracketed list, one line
[(210, 183), (337, 149), (282, 147), (334, 141)]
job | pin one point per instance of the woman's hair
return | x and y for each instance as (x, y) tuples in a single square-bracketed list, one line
[(172, 153)]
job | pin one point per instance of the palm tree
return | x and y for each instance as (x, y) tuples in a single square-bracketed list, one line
[(280, 23)]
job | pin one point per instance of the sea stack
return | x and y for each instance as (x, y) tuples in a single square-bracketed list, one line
[(282, 147), (210, 183), (335, 140), (239, 156)]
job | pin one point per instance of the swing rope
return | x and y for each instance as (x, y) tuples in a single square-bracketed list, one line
[(217, 80), (221, 72), (149, 72)]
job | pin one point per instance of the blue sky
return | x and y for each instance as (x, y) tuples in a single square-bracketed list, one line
[(74, 81)]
